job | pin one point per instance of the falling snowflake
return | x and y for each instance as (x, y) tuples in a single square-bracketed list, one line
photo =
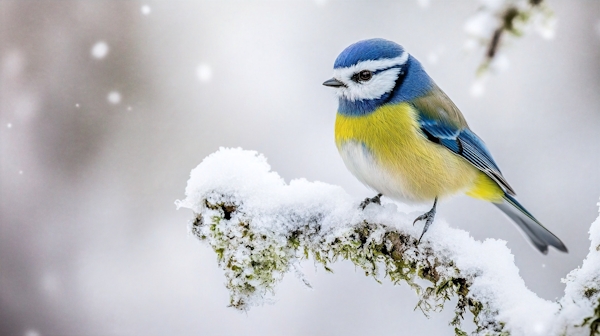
[(424, 3), (31, 332), (478, 88), (204, 72), (100, 50), (114, 97)]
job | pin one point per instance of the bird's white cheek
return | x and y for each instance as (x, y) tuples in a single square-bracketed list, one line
[(375, 88)]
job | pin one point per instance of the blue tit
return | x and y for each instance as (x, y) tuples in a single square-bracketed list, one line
[(400, 135)]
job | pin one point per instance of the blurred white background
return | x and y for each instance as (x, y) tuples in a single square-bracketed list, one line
[(105, 107)]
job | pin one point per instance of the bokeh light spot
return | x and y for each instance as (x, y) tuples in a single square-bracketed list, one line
[(114, 97), (100, 50), (204, 72)]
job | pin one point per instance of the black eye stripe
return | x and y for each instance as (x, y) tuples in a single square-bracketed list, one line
[(382, 70), (356, 76)]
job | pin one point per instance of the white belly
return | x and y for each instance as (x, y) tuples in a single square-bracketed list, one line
[(364, 166)]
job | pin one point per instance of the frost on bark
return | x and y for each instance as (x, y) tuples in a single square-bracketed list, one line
[(261, 227)]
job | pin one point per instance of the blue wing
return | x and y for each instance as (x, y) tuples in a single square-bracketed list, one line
[(466, 144)]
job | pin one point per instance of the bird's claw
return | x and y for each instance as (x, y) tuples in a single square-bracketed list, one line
[(422, 217), (428, 217), (367, 201)]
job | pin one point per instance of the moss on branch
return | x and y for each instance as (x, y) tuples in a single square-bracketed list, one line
[(254, 260)]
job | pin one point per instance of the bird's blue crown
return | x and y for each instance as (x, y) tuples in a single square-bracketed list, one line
[(373, 49)]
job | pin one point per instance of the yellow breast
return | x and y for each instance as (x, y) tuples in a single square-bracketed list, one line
[(397, 160)]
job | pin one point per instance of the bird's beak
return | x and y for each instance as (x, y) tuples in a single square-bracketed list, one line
[(333, 83)]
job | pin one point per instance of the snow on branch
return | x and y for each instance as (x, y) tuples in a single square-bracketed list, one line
[(261, 228), (498, 21)]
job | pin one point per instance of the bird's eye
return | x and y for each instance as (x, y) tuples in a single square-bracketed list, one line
[(365, 75), (362, 76)]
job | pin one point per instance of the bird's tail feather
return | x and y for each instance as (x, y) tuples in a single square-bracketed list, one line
[(536, 232)]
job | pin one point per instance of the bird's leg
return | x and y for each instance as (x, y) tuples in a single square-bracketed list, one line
[(428, 217), (367, 201)]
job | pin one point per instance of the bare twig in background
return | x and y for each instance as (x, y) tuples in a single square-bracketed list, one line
[(499, 20)]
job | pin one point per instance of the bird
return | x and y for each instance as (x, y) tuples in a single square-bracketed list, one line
[(400, 135)]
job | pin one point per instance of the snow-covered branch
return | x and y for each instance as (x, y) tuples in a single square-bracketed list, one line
[(498, 21), (261, 228)]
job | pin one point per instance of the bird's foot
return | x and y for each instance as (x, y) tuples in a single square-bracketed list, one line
[(367, 201), (428, 217)]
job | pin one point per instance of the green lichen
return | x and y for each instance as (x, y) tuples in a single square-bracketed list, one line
[(590, 292), (255, 261), (594, 320)]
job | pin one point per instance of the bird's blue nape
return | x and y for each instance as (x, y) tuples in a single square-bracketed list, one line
[(365, 50)]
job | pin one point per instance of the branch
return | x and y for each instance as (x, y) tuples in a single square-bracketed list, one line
[(498, 21), (261, 228)]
